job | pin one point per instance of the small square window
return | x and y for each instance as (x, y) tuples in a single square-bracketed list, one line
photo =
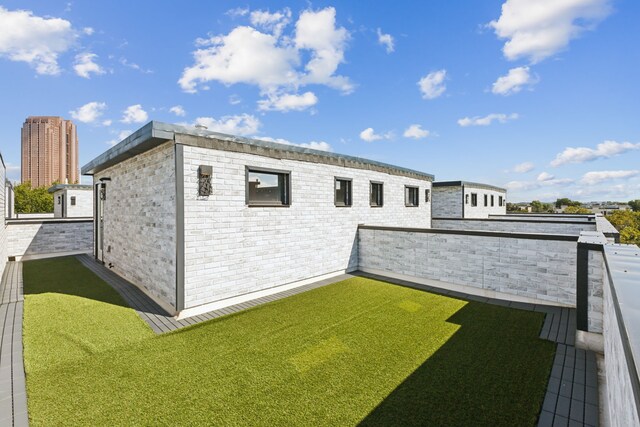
[(268, 187), (486, 198), (427, 195), (376, 194), (342, 192), (492, 200), (73, 200), (411, 198), (474, 199)]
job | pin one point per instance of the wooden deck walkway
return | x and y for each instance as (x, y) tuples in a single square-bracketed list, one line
[(13, 392)]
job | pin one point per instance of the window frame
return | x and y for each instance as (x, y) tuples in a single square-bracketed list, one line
[(72, 200), (492, 200), (486, 200), (381, 203), (474, 200), (500, 201), (349, 193), (287, 187), (416, 197)]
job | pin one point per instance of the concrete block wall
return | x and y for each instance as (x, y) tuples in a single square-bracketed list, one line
[(447, 202), (515, 226), (621, 405), (140, 221), (233, 249), (596, 274), (46, 237), (541, 269), (482, 211)]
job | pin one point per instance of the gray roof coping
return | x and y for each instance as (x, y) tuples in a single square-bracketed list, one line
[(468, 184), (155, 133), (59, 187)]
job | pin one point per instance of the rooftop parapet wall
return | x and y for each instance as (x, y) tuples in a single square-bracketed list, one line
[(48, 237), (545, 217), (521, 266), (502, 224), (622, 333)]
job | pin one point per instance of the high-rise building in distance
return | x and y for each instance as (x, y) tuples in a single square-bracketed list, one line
[(49, 151)]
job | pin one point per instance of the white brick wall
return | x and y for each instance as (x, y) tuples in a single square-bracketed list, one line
[(140, 221), (3, 226), (48, 237), (620, 400), (516, 226), (482, 211), (82, 208), (540, 269), (232, 249)]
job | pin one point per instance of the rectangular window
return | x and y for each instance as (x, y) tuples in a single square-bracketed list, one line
[(73, 200), (499, 200), (486, 198), (492, 200), (411, 196), (427, 195), (342, 192), (474, 199), (376, 194), (268, 187)]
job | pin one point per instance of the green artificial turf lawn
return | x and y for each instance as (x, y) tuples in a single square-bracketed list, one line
[(356, 352)]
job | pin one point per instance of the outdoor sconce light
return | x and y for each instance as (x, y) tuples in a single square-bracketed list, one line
[(103, 187), (204, 180)]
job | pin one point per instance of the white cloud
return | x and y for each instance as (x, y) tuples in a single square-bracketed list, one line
[(523, 167), (432, 85), (89, 112), (243, 124), (85, 65), (539, 29), (272, 22), (603, 150), (272, 61), (591, 178), (487, 120), (178, 110), (35, 40), (120, 136), (386, 40), (513, 82), (134, 114), (237, 12), (135, 66), (415, 132), (88, 31), (369, 135), (288, 102), (315, 145), (544, 176), (107, 122), (235, 99)]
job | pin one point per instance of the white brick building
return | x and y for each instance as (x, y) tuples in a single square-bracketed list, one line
[(9, 200), (201, 220), (72, 200), (464, 199)]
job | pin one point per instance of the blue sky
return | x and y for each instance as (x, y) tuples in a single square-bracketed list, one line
[(541, 97)]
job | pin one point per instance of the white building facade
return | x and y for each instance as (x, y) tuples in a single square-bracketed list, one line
[(202, 220), (464, 199), (72, 200)]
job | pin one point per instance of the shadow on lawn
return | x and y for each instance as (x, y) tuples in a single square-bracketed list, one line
[(67, 276), (484, 375)]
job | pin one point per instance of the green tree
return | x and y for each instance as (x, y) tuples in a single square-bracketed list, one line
[(628, 224), (563, 201), (576, 210), (538, 207), (32, 200), (634, 205)]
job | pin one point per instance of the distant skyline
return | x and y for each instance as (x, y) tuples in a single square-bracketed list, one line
[(538, 97)]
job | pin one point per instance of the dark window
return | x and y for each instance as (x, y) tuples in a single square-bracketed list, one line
[(486, 198), (73, 200), (492, 200), (268, 188), (466, 199), (376, 194), (426, 195), (342, 192), (499, 200), (474, 199), (411, 196)]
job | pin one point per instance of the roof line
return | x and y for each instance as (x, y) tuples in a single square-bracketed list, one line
[(468, 183)]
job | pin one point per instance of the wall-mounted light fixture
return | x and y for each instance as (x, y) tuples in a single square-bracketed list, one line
[(204, 180)]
